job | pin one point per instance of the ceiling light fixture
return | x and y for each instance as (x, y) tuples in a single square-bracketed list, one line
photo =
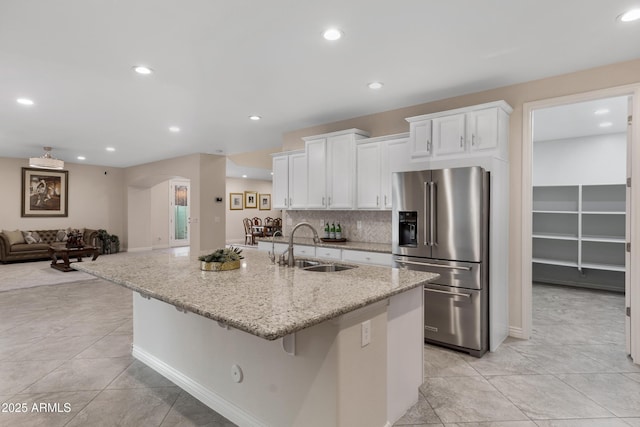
[(46, 161), (24, 101), (601, 111), (110, 149), (332, 34), (605, 124), (375, 85), (630, 15), (174, 129), (244, 176), (254, 117), (81, 158), (141, 69)]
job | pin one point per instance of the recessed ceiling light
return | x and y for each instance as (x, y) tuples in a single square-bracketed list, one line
[(81, 158), (629, 16), (332, 34), (141, 69), (244, 176), (254, 117), (174, 128), (271, 173), (601, 111), (606, 124), (375, 85), (24, 101), (110, 149)]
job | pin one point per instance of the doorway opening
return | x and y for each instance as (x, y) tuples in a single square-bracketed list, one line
[(579, 172), (179, 215)]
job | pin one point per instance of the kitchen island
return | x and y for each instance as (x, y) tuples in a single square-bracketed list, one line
[(266, 345)]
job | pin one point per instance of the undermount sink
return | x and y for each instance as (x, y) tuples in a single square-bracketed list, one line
[(326, 268)]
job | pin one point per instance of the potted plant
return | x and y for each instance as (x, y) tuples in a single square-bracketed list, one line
[(221, 259)]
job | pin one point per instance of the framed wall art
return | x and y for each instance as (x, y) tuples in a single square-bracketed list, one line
[(250, 199), (45, 193), (264, 201), (235, 201)]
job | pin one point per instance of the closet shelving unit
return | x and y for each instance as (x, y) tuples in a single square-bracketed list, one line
[(580, 226)]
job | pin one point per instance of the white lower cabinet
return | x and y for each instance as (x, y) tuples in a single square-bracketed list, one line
[(362, 257), (345, 255)]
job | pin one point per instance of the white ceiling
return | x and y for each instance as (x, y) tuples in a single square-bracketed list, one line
[(218, 61), (580, 119)]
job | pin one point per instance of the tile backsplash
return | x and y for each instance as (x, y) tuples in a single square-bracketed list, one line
[(375, 225)]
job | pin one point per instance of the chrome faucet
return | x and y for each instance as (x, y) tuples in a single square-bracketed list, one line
[(272, 254), (316, 240)]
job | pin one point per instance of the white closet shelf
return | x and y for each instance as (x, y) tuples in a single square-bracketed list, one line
[(608, 267), (555, 262), (603, 239), (554, 236), (556, 212)]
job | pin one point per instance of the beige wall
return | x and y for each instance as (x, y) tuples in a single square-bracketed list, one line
[(160, 215), (391, 122), (207, 176), (96, 199), (235, 230)]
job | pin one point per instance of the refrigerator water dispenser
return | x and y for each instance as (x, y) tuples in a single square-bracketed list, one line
[(408, 227)]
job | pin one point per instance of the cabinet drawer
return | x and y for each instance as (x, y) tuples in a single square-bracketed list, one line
[(362, 257), (266, 246), (304, 251), (328, 253)]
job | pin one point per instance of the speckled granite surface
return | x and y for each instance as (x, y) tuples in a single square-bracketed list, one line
[(355, 246), (259, 298)]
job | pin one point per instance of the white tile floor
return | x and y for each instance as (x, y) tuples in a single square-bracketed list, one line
[(70, 343)]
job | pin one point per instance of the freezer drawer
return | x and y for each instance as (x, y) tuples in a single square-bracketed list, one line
[(456, 317), (470, 275)]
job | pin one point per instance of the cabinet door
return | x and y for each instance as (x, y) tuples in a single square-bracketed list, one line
[(298, 181), (394, 156), (482, 133), (280, 189), (341, 172), (368, 177), (420, 138), (448, 134), (316, 173)]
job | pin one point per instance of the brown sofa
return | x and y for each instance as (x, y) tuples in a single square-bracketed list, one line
[(23, 251)]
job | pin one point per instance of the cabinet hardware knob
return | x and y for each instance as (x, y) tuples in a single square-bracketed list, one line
[(461, 141), (377, 200), (473, 139)]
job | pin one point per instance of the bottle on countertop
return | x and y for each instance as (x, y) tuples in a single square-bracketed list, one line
[(326, 230), (338, 232), (332, 231)]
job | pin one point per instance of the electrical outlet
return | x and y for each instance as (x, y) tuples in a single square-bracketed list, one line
[(359, 225), (322, 223), (366, 333)]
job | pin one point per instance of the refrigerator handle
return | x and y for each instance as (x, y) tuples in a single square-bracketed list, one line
[(432, 214), (426, 214)]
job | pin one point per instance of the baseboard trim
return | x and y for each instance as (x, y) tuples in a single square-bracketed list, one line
[(517, 332), (142, 249), (203, 394), (155, 247)]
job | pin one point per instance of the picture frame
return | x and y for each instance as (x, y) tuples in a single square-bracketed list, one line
[(45, 193), (264, 202), (250, 199), (235, 201)]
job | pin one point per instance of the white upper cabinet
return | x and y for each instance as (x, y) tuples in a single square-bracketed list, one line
[(280, 192), (420, 138), (449, 134), (331, 169), (298, 181), (377, 159), (289, 180), (470, 131)]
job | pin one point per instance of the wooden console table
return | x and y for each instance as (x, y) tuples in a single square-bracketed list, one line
[(63, 253)]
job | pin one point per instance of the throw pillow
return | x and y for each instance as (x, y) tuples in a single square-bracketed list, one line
[(31, 237), (14, 236), (61, 236)]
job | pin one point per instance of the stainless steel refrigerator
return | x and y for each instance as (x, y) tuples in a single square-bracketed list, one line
[(441, 224)]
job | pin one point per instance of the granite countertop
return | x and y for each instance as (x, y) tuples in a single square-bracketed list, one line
[(356, 246), (260, 298)]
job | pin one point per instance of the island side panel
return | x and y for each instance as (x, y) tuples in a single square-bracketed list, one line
[(320, 386), (405, 349)]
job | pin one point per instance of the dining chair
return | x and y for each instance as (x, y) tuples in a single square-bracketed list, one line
[(248, 232)]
